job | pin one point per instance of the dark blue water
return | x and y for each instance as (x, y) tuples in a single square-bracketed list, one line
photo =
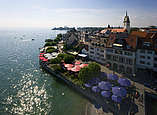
[(24, 87)]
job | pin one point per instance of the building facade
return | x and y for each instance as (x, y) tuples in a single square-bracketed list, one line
[(120, 60), (145, 59)]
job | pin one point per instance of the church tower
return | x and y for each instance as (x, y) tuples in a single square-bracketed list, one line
[(127, 22)]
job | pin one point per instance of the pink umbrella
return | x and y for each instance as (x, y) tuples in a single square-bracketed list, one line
[(76, 69), (83, 65), (68, 65), (69, 68), (77, 62), (41, 58), (77, 66), (40, 55), (45, 59)]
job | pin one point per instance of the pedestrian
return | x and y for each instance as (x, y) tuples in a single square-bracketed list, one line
[(142, 98)]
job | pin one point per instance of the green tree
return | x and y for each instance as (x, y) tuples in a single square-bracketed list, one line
[(94, 67), (68, 58), (87, 73), (84, 74)]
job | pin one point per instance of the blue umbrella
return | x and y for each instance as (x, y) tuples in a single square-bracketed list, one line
[(97, 106), (103, 75), (106, 93), (124, 82), (112, 76), (116, 98), (119, 91), (87, 85), (95, 89), (94, 81), (105, 85)]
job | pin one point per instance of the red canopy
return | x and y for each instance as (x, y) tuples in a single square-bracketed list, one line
[(68, 65), (77, 62), (42, 53), (41, 58), (83, 65)]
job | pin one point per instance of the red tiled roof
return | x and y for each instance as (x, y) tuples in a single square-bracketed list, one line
[(114, 30), (118, 30), (139, 34)]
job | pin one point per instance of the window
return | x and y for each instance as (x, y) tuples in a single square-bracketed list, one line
[(118, 52), (109, 57), (130, 61), (155, 59), (143, 57), (148, 63), (102, 55), (142, 51), (115, 58), (127, 61), (149, 52), (91, 48), (142, 62), (102, 51), (128, 53), (91, 52), (121, 59), (155, 65), (109, 50), (148, 57)]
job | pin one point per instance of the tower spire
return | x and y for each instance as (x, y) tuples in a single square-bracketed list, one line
[(126, 13)]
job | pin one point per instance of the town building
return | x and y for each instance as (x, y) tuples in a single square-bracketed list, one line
[(71, 37), (121, 60)]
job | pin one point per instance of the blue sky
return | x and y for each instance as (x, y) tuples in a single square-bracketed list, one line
[(50, 13)]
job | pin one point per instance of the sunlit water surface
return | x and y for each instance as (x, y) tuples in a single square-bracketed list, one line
[(24, 87)]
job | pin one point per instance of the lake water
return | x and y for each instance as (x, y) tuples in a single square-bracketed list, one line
[(24, 87)]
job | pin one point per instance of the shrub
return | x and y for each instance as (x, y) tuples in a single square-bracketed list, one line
[(57, 68), (55, 61), (50, 50), (61, 56)]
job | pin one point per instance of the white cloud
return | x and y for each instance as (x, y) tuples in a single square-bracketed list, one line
[(46, 17)]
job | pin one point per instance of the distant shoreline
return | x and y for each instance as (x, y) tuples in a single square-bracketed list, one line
[(62, 28)]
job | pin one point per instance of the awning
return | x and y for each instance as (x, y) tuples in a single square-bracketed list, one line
[(82, 55)]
